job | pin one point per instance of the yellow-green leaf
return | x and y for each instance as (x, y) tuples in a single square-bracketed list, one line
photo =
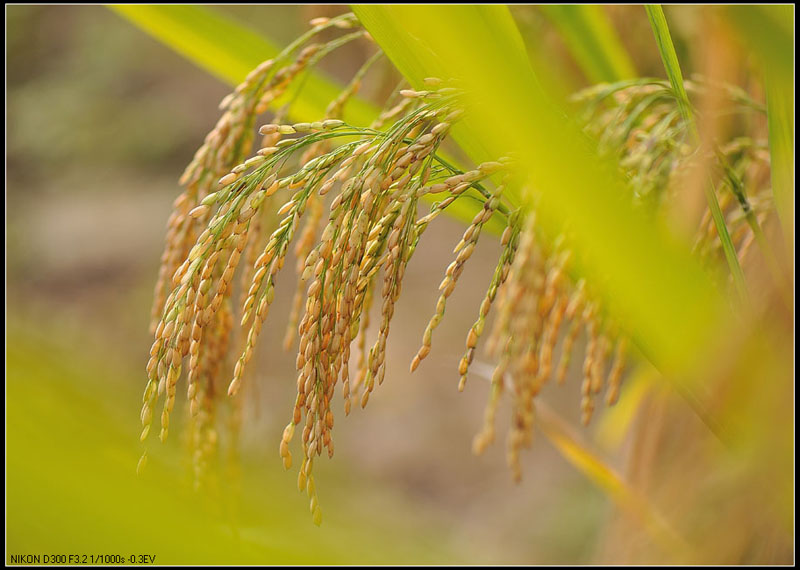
[(592, 40), (644, 274), (670, 59), (769, 33), (230, 50)]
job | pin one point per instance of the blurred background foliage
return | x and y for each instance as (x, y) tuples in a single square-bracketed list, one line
[(101, 120)]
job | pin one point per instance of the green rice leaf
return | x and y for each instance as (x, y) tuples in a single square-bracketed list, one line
[(644, 274), (670, 59), (780, 114), (230, 50), (592, 40), (768, 31)]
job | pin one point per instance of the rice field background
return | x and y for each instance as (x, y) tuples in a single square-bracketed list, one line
[(695, 463)]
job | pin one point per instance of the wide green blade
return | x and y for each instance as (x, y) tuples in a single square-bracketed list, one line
[(769, 32), (592, 40), (780, 113), (644, 274), (230, 50), (671, 65)]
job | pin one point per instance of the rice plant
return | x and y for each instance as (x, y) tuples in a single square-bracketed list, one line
[(353, 200)]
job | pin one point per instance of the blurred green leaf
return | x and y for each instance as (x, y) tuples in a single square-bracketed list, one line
[(780, 113), (592, 40), (219, 45), (646, 277), (769, 32), (229, 50), (670, 59), (72, 447)]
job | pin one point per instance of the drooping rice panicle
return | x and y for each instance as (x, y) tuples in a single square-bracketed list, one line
[(347, 199)]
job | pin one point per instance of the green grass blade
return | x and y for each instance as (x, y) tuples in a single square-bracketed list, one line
[(499, 23), (780, 116), (221, 46), (229, 50), (670, 59), (725, 238), (768, 31), (592, 40), (646, 277)]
